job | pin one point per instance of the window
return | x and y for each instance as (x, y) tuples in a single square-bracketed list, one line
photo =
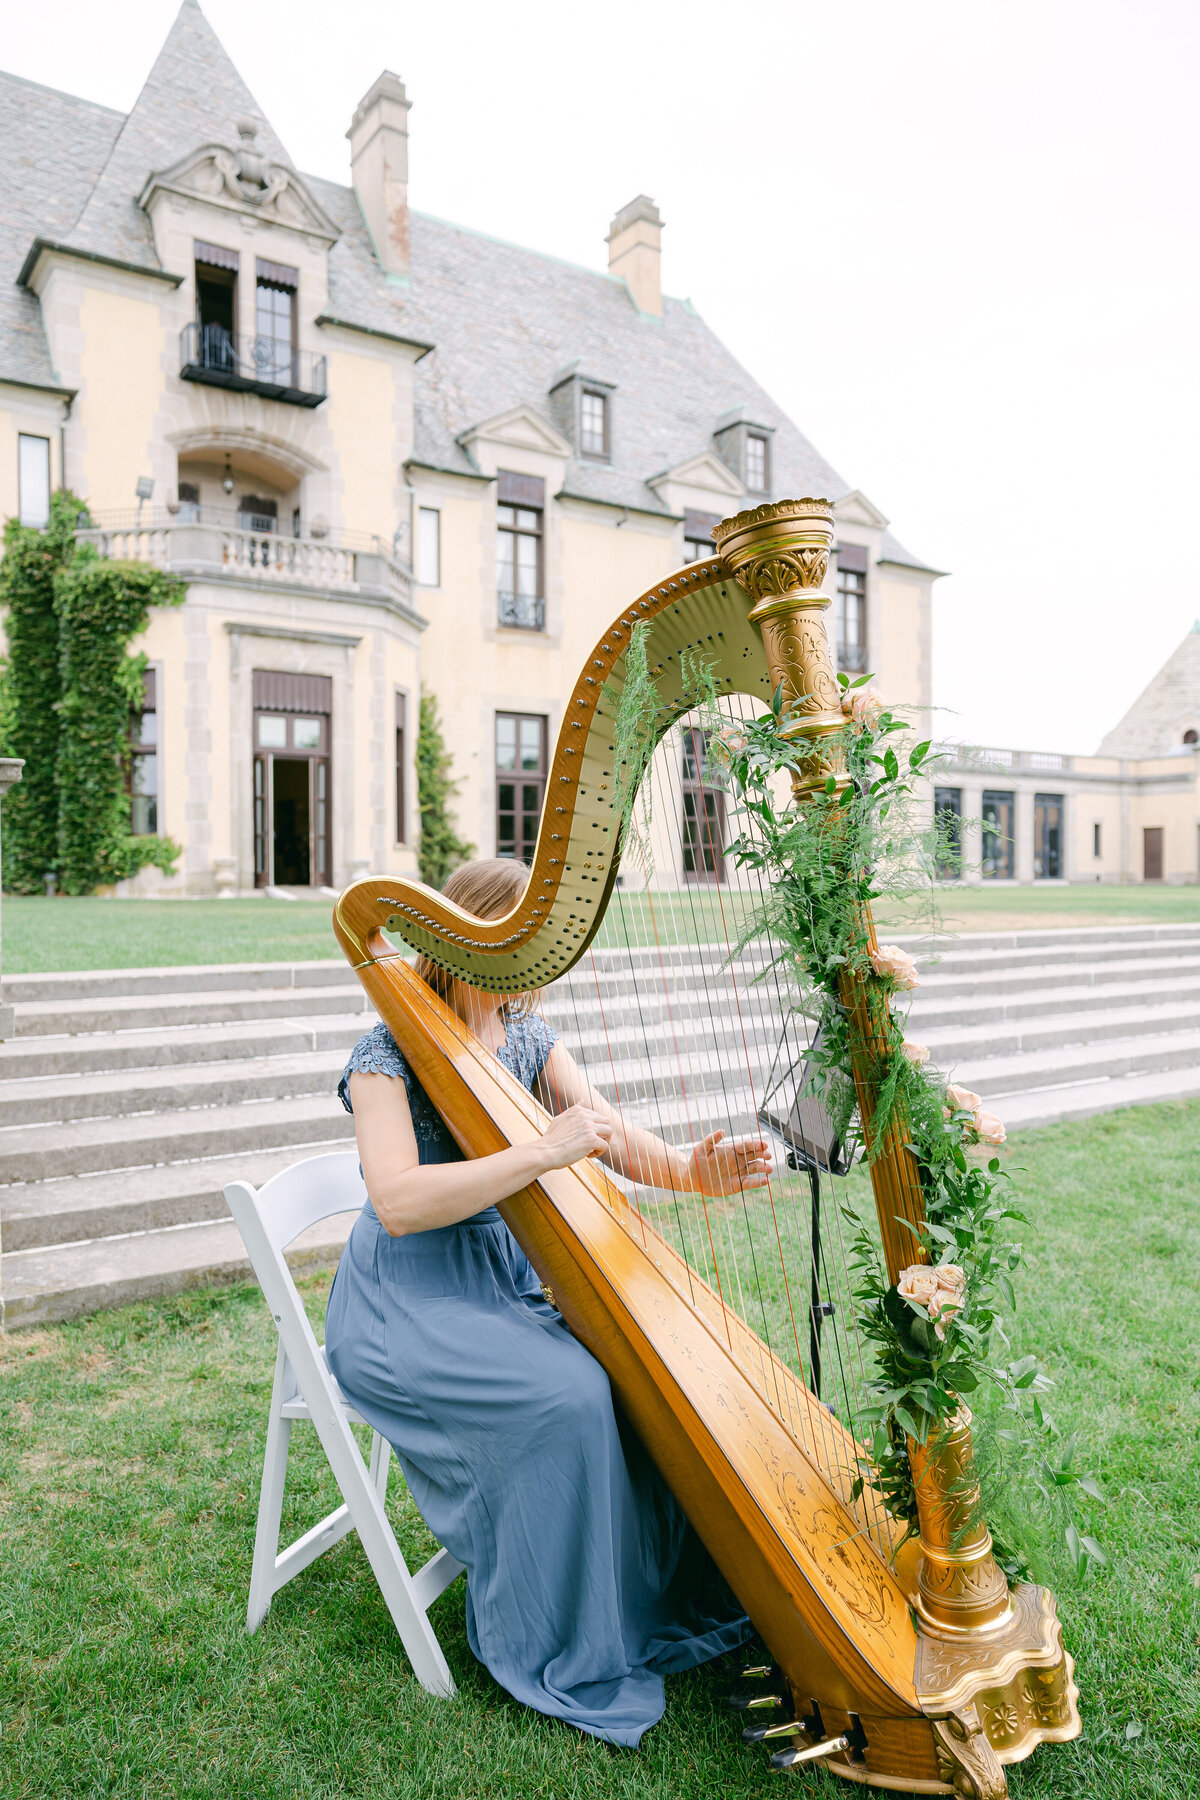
[(520, 782), (1191, 736), (519, 565), (947, 818), (33, 480), (997, 835), (851, 614), (697, 535), (189, 502), (758, 461), (1047, 837), (593, 423), (1096, 840), (275, 321), (257, 514), (143, 761), (216, 305), (429, 546), (703, 813), (401, 769)]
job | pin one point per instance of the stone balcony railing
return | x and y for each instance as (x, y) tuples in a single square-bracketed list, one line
[(342, 564)]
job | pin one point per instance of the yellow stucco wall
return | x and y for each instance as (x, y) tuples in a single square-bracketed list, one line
[(121, 388)]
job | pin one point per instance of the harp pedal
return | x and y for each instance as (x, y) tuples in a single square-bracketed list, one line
[(758, 1671), (754, 1702), (758, 1734), (790, 1759)]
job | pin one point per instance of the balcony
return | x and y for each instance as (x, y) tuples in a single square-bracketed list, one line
[(207, 544), (208, 354), (521, 611)]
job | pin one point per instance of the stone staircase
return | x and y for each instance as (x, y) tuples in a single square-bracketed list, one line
[(128, 1099)]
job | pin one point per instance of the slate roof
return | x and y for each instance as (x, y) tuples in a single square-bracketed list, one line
[(1154, 724), (504, 321), (54, 148)]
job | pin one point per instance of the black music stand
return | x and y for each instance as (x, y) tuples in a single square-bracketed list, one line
[(807, 1129)]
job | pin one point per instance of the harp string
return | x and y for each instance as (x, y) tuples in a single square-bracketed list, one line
[(707, 1031)]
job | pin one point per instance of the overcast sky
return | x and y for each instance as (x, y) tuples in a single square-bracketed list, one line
[(958, 242)]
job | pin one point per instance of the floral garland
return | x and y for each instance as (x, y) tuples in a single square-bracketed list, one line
[(938, 1332)]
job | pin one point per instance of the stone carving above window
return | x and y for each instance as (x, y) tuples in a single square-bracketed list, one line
[(245, 182)]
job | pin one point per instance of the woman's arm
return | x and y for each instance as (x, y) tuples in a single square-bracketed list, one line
[(712, 1167), (410, 1196)]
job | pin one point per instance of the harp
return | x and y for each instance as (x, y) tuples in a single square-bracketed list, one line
[(920, 1671)]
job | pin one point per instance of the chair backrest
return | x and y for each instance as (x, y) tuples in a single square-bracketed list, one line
[(268, 1221), (308, 1192)]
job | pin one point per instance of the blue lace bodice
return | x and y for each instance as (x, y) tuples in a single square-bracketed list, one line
[(528, 1042)]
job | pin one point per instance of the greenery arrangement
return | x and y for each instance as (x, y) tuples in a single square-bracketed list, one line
[(939, 1333), (441, 849), (71, 685)]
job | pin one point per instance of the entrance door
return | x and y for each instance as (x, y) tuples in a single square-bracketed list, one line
[(291, 779), (1047, 837), (1152, 853)]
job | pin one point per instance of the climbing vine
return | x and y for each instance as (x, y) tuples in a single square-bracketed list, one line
[(70, 687), (31, 690)]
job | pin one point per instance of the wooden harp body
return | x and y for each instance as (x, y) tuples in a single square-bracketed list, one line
[(935, 1674)]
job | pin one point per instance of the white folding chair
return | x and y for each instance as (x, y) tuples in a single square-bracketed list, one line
[(269, 1219)]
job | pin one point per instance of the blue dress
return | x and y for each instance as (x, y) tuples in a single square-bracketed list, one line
[(585, 1582)]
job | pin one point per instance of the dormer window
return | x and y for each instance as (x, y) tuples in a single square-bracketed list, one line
[(581, 407), (758, 463), (593, 422), (744, 445)]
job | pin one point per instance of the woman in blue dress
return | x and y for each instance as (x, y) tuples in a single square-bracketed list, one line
[(585, 1583)]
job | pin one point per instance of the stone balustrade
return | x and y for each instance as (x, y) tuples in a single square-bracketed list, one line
[(203, 551)]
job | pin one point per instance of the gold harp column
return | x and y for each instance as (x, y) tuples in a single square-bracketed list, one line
[(779, 554)]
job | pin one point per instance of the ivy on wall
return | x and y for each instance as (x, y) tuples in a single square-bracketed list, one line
[(442, 850), (31, 690), (70, 687)]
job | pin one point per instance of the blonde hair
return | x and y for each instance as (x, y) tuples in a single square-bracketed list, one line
[(488, 889)]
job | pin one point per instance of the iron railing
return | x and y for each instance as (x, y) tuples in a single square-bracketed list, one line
[(210, 354), (526, 613)]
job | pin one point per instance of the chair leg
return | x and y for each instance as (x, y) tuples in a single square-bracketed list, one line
[(381, 1463), (270, 1504)]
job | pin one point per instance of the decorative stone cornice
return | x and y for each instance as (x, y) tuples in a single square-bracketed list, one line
[(242, 181)]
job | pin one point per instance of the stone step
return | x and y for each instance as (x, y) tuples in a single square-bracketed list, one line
[(59, 1211), (85, 1146), (51, 1100), (145, 1012), (996, 1076), (176, 1046), (1083, 1099), (62, 1282), (186, 978), (929, 1012)]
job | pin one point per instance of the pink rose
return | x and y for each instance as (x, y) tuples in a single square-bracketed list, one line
[(891, 961), (989, 1129), (863, 706), (916, 1054), (735, 742), (962, 1099), (939, 1291)]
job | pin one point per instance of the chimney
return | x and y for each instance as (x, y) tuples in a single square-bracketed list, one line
[(635, 251), (379, 160)]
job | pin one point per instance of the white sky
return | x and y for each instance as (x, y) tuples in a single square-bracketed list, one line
[(956, 239)]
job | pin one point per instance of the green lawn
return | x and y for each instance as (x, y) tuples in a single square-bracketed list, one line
[(130, 1448), (129, 934)]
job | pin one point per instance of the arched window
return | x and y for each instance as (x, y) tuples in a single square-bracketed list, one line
[(1191, 736)]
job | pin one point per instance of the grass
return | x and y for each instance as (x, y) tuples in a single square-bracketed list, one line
[(41, 935), (130, 1449)]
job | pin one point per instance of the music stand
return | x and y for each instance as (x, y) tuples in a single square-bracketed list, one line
[(813, 1145)]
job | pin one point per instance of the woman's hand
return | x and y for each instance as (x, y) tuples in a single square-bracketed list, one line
[(576, 1133), (716, 1168)]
